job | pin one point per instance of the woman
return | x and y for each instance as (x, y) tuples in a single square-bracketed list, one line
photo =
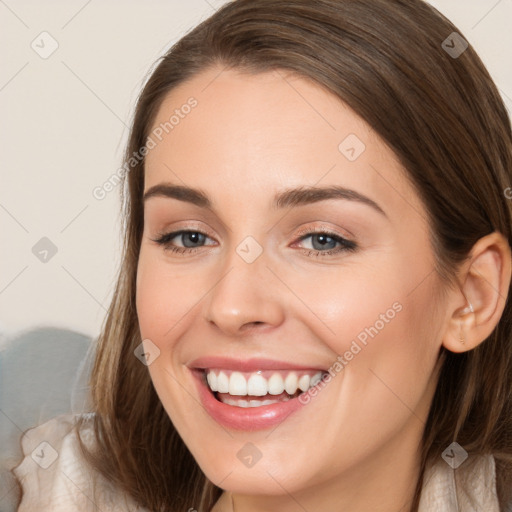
[(312, 309)]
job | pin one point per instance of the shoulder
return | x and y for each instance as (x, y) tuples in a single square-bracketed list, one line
[(54, 475), (456, 485)]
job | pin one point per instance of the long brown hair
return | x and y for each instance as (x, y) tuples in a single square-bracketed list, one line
[(446, 122)]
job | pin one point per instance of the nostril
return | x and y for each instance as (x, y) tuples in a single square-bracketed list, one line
[(249, 325)]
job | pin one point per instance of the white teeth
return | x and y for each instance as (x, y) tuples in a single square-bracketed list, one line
[(237, 402), (315, 379), (304, 383), (212, 381), (251, 403), (254, 384), (290, 383), (275, 384), (257, 385), (237, 384), (222, 383)]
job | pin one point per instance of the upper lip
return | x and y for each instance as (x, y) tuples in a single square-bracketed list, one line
[(248, 365)]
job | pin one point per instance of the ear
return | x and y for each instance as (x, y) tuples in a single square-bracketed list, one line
[(477, 306)]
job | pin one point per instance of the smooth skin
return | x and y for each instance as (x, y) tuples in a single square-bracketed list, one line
[(355, 446)]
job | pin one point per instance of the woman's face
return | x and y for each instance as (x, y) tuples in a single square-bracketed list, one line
[(273, 285)]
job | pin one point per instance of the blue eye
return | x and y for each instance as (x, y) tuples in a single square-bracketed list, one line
[(327, 244), (190, 240), (322, 243)]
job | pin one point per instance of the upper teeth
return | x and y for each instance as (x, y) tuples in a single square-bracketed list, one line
[(255, 384)]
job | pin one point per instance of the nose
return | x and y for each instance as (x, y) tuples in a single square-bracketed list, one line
[(245, 296)]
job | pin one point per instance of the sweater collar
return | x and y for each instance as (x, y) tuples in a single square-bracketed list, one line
[(469, 488)]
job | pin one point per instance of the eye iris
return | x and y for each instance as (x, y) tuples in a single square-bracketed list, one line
[(194, 239), (323, 241)]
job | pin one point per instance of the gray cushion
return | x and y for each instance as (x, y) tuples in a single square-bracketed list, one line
[(43, 373)]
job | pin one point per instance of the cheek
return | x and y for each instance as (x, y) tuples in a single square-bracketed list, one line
[(385, 297), (164, 298), (351, 305), (374, 323)]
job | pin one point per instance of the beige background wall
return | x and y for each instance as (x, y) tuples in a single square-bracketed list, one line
[(63, 125)]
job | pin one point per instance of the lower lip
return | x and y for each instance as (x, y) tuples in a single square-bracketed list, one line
[(244, 418)]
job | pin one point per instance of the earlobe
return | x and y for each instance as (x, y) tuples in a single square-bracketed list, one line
[(480, 301)]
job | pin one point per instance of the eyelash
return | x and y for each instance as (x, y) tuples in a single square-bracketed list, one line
[(346, 245)]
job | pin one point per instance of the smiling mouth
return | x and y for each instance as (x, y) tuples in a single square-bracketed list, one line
[(259, 388)]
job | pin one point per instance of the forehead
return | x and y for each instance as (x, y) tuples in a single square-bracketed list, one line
[(250, 135)]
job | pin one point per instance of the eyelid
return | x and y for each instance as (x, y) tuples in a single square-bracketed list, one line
[(302, 231), (165, 236), (308, 230), (169, 235), (188, 227)]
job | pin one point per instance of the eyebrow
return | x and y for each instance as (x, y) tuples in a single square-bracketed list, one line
[(285, 199)]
